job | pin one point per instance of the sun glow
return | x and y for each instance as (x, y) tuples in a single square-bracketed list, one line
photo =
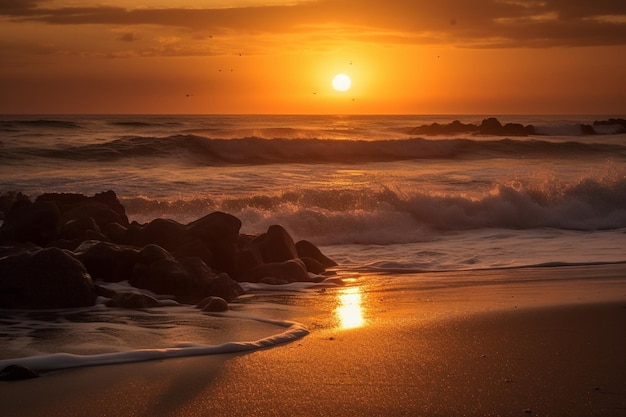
[(341, 82)]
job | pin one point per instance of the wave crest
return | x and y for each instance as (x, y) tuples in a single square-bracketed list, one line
[(384, 215), (253, 150)]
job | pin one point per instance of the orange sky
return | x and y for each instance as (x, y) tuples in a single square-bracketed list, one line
[(254, 56)]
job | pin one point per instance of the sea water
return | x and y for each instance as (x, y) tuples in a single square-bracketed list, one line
[(373, 196)]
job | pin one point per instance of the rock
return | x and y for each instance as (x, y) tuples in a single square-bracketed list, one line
[(307, 249), (220, 233), (17, 373), (276, 245), (77, 228), (159, 272), (8, 199), (44, 279), (31, 222), (115, 232), (166, 233), (213, 304), (188, 279), (312, 265), (587, 130), (132, 300), (492, 126), (489, 126), (247, 259), (107, 261), (104, 207), (618, 126), (208, 282), (289, 271), (194, 248), (454, 128)]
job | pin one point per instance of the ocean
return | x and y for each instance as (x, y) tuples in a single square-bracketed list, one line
[(382, 201)]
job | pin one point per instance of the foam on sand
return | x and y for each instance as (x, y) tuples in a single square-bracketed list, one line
[(57, 361)]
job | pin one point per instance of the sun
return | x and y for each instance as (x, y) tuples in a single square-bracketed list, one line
[(341, 82)]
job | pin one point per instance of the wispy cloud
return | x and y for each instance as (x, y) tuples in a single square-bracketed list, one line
[(483, 23)]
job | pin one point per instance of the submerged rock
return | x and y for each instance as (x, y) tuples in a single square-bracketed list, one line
[(213, 304), (17, 373), (132, 300)]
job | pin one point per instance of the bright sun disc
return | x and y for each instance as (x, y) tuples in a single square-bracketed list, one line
[(341, 82)]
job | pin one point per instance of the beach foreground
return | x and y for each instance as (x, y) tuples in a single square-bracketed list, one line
[(526, 342)]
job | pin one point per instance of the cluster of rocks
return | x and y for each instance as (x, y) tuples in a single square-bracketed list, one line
[(58, 251), (492, 126)]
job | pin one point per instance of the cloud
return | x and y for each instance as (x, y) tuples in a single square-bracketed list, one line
[(486, 23)]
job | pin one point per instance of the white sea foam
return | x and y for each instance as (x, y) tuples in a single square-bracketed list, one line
[(55, 361)]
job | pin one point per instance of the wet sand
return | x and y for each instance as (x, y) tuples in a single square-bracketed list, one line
[(536, 342)]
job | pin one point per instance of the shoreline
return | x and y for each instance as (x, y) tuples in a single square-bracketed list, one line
[(529, 346)]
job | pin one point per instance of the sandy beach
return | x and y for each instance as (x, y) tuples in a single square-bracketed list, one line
[(527, 342)]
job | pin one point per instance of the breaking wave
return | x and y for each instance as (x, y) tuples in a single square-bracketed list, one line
[(387, 216)]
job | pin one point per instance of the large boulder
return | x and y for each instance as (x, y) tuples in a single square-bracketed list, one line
[(104, 207), (79, 228), (276, 245), (307, 249), (44, 279), (31, 222), (220, 233), (168, 234), (187, 279), (107, 261)]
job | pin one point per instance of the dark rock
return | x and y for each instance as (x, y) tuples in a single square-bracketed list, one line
[(273, 281), (517, 129), (17, 373), (276, 245), (15, 248), (213, 304), (194, 248), (31, 222), (77, 228), (620, 123), (104, 207), (8, 199), (166, 233), (289, 271), (454, 128), (160, 274), (220, 233), (44, 279), (312, 265), (489, 126), (307, 249), (102, 291), (188, 279), (115, 232), (107, 261), (132, 300), (208, 283), (247, 259), (587, 130)]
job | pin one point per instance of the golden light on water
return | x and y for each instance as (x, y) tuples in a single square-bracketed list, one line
[(349, 309)]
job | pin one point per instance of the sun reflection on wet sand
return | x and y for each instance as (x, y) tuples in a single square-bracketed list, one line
[(349, 309)]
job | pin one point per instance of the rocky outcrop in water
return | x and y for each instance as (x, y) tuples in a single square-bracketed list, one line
[(56, 250), (492, 126)]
